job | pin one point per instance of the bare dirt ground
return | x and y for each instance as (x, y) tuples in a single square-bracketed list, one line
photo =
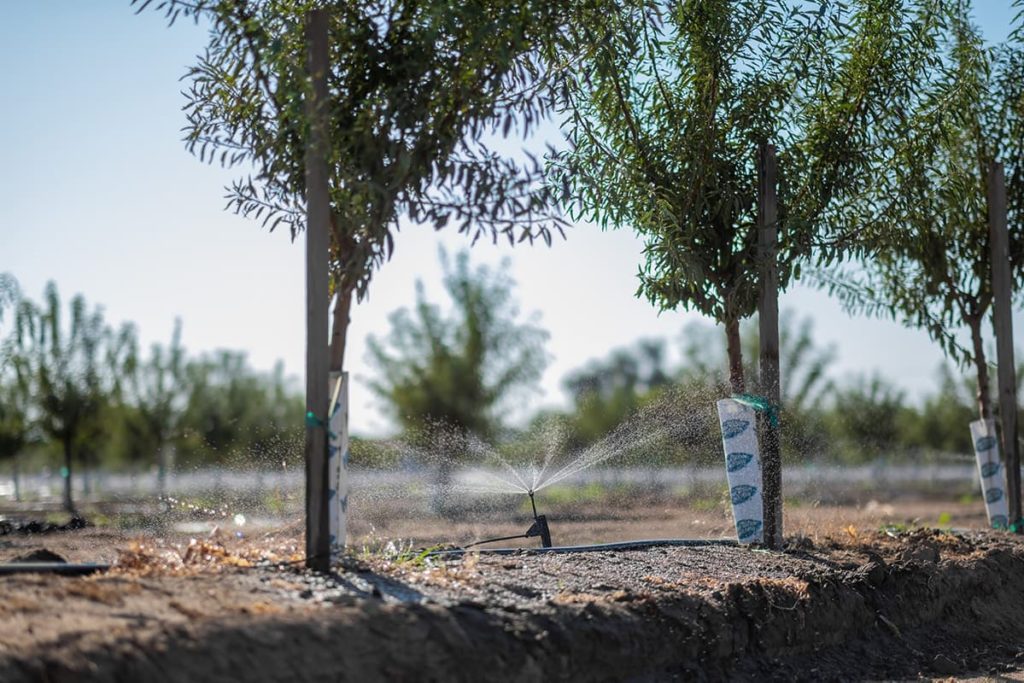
[(862, 592)]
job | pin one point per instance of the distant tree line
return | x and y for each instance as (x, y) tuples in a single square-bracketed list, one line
[(77, 391), (438, 367), (860, 419)]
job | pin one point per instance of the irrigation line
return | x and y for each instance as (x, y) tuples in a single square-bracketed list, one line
[(63, 568), (599, 547)]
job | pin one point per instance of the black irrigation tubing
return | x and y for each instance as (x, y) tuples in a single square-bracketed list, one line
[(62, 568), (598, 547)]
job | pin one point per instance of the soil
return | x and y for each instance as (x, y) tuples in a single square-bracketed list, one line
[(843, 601)]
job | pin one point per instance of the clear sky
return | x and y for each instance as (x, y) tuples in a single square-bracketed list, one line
[(98, 193)]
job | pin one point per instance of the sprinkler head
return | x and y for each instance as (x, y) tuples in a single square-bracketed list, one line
[(540, 524), (540, 528)]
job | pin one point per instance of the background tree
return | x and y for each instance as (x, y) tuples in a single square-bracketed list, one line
[(866, 419), (156, 395), (606, 392), (10, 295), (939, 425), (15, 420), (464, 368), (234, 414), (672, 103), (932, 270), (73, 371), (417, 87)]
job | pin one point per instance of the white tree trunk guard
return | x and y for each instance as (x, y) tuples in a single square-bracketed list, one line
[(743, 468), (991, 471), (337, 461)]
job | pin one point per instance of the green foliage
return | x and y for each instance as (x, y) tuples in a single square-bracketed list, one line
[(9, 297), (72, 370), (76, 385), (673, 101), (9, 293), (864, 424), (459, 369), (417, 88), (931, 266), (941, 424), (15, 422), (606, 392), (233, 414), (156, 393)]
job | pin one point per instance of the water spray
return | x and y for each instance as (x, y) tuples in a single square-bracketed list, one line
[(538, 528)]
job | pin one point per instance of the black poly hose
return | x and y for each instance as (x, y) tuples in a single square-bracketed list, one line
[(599, 547), (63, 568)]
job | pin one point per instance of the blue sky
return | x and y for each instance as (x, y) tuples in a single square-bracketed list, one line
[(98, 193)]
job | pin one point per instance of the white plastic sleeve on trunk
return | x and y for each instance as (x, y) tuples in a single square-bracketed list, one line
[(990, 470), (743, 468), (337, 460)]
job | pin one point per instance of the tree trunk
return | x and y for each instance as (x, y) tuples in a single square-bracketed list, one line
[(732, 336), (69, 503), (439, 502), (339, 327), (984, 394), (86, 476), (161, 470), (17, 478)]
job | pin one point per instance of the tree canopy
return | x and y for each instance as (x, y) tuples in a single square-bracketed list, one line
[(931, 267), (460, 368), (418, 91), (72, 365), (672, 102)]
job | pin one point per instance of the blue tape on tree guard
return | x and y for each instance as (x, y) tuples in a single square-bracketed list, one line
[(760, 404)]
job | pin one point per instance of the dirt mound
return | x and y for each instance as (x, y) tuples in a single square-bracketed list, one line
[(39, 555), (926, 603)]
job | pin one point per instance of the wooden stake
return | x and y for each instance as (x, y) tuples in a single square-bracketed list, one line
[(318, 540), (768, 317), (1002, 324)]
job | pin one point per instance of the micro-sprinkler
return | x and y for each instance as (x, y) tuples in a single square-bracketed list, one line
[(538, 528)]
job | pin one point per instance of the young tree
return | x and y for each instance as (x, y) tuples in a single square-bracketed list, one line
[(606, 392), (10, 295), (156, 395), (459, 369), (232, 412), (417, 88), (674, 101), (15, 424), (72, 371), (933, 270), (866, 419)]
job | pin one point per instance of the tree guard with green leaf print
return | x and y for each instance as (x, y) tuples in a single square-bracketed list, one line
[(991, 472), (743, 468)]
